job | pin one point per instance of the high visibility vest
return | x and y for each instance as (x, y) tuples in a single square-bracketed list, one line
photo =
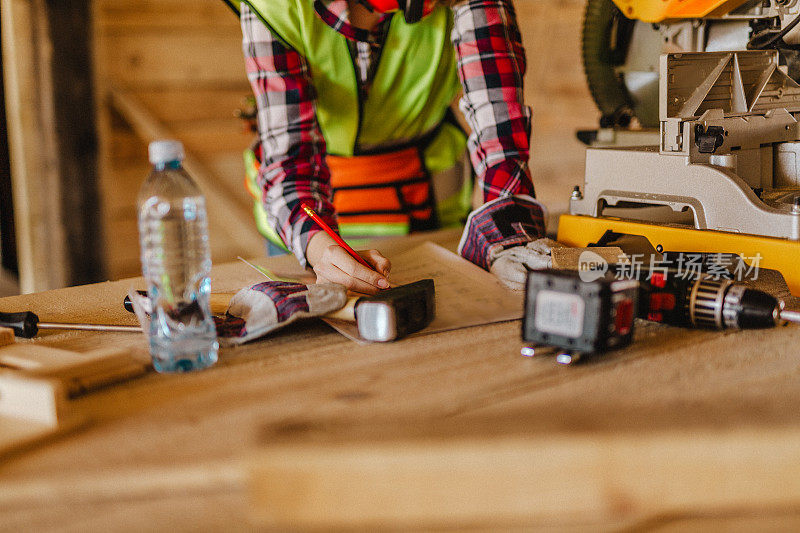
[(408, 100)]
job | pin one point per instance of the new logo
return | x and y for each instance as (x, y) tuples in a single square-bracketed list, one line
[(591, 266)]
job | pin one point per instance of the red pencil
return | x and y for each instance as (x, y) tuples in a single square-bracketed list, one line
[(315, 217)]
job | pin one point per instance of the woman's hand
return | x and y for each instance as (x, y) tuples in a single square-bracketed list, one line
[(332, 264)]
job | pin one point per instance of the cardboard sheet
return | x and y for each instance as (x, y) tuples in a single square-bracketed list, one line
[(466, 295)]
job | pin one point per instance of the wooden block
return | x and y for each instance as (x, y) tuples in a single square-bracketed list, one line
[(17, 434), (571, 258), (32, 410), (36, 359), (6, 336), (109, 366), (79, 372), (118, 375), (34, 399)]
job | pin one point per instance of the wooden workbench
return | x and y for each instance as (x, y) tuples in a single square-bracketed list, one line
[(684, 428)]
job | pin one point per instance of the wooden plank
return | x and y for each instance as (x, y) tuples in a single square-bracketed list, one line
[(123, 248), (222, 135), (121, 188), (124, 148), (31, 127), (141, 483), (8, 284), (27, 398), (17, 434), (79, 372), (125, 167)]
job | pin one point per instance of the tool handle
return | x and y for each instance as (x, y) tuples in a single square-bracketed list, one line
[(128, 304), (346, 313), (24, 324)]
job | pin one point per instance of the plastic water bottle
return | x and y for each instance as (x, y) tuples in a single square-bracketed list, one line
[(176, 262)]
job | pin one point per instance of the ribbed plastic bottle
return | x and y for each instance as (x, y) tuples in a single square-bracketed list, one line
[(176, 261)]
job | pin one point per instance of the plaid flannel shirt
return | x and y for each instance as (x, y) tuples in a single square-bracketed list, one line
[(491, 66)]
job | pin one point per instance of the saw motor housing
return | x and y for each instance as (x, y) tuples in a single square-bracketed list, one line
[(623, 40)]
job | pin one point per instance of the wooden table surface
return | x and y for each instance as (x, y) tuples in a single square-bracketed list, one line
[(174, 451)]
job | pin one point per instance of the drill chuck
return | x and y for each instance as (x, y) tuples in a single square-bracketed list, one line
[(724, 304)]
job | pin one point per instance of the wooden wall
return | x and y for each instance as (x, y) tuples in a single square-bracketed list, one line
[(176, 67), (171, 69)]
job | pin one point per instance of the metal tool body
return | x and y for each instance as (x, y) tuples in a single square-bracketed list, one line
[(26, 325), (396, 312), (723, 157), (622, 44)]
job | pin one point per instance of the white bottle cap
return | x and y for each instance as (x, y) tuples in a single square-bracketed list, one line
[(162, 152)]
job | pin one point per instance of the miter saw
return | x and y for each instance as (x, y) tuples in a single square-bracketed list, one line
[(698, 148)]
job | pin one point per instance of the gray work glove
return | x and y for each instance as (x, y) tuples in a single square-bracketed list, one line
[(264, 307), (511, 265)]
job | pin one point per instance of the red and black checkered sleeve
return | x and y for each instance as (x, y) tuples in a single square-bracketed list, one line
[(491, 66), (293, 168)]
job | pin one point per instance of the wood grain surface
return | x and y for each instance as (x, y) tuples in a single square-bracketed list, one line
[(682, 429)]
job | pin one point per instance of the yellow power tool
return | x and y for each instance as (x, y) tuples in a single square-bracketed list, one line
[(698, 148)]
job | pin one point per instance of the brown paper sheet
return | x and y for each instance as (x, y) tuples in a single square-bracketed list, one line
[(466, 295)]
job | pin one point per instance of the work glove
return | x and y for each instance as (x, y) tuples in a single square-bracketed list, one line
[(506, 237), (260, 309), (263, 308), (512, 264)]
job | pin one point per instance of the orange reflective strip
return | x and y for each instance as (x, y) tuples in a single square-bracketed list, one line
[(383, 199), (374, 169), (416, 193), (373, 219), (371, 170)]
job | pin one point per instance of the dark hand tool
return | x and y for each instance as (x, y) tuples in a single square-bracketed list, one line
[(26, 325), (578, 317), (387, 316), (710, 303), (392, 313)]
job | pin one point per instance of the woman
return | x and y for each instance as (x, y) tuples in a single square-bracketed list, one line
[(354, 117)]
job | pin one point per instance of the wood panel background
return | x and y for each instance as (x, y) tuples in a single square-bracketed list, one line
[(181, 62)]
